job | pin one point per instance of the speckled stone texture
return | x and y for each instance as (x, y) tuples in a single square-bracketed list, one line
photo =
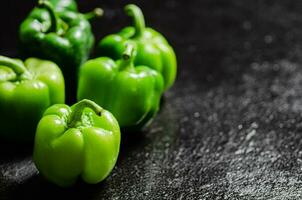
[(230, 128)]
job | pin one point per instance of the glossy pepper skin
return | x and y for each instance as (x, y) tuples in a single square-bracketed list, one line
[(61, 5), (153, 50), (78, 141), (26, 90), (63, 37), (131, 93)]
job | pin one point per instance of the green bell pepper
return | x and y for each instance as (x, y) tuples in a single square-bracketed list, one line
[(26, 90), (153, 50), (64, 37), (61, 5), (82, 140), (131, 93)]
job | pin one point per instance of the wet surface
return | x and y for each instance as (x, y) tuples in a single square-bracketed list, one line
[(230, 128)]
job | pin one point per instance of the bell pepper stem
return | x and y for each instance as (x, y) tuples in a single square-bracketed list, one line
[(97, 12), (76, 115), (17, 67), (138, 18), (54, 27), (127, 57)]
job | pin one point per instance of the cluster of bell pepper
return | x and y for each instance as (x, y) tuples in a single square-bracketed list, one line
[(132, 70)]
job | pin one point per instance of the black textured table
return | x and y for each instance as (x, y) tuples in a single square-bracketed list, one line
[(230, 128)]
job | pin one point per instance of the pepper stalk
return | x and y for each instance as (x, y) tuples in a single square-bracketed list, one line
[(19, 68), (97, 12), (76, 115), (137, 16), (127, 57), (55, 25)]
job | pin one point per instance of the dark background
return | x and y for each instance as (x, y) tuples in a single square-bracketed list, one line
[(230, 128)]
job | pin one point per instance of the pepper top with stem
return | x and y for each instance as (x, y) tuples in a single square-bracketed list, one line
[(18, 67), (97, 12), (127, 57), (55, 15), (153, 50), (79, 107), (54, 25), (138, 19)]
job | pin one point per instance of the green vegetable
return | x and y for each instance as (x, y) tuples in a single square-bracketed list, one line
[(131, 93), (78, 141), (153, 49), (64, 37), (61, 5), (26, 90)]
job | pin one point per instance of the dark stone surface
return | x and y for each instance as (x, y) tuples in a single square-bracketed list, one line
[(231, 126)]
